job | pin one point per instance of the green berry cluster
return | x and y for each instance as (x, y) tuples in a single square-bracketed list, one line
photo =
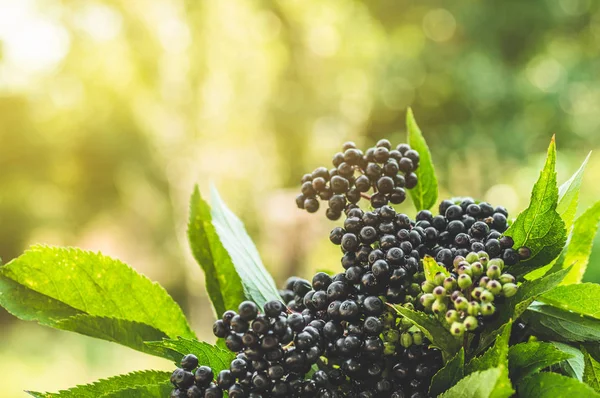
[(466, 296)]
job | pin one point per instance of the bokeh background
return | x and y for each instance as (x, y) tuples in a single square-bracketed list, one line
[(111, 111)]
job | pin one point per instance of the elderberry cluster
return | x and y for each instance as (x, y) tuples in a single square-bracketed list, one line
[(193, 381), (467, 295), (385, 171)]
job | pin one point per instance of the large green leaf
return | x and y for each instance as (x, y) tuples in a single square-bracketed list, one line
[(439, 336), (526, 359), (553, 385), (449, 375), (574, 366), (579, 247), (491, 383), (258, 283), (568, 196), (581, 298), (424, 195), (540, 227), (61, 287), (209, 355), (496, 356), (591, 373), (223, 283), (431, 268), (556, 324), (113, 384)]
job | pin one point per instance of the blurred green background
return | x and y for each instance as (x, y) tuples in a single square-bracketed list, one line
[(111, 111)]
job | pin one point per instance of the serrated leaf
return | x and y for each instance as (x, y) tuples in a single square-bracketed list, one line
[(540, 227), (52, 285), (150, 391), (439, 336), (580, 244), (431, 268), (449, 375), (581, 298), (572, 367), (209, 355), (591, 373), (555, 324), (496, 356), (568, 195), (112, 384), (258, 283), (526, 359), (491, 383), (516, 305), (553, 385), (128, 333), (222, 281), (425, 194)]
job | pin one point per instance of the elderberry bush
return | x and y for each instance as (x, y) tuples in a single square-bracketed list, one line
[(382, 170)]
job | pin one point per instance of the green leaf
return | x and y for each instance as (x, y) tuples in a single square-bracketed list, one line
[(449, 375), (148, 391), (424, 195), (526, 359), (209, 355), (431, 268), (516, 305), (581, 298), (553, 385), (223, 283), (491, 383), (591, 374), (258, 283), (579, 247), (555, 324), (497, 356), (572, 367), (439, 336), (52, 285), (540, 227), (128, 333), (112, 384), (568, 195)]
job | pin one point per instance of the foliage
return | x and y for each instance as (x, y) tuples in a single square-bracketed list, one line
[(101, 297)]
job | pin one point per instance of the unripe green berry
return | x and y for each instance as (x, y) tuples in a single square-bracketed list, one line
[(483, 254), (461, 304), (405, 324), (389, 319), (493, 272), (509, 289), (487, 296), (427, 286), (417, 337), (406, 340), (497, 262), (465, 281), (465, 269), (472, 257), (484, 281), (488, 309), (389, 348), (477, 292), (456, 294), (474, 308), (470, 323), (439, 292), (495, 287), (450, 284), (457, 329), (391, 336), (438, 279), (477, 269), (414, 289), (506, 278), (427, 300), (409, 306), (484, 261), (439, 307), (452, 316), (457, 261)]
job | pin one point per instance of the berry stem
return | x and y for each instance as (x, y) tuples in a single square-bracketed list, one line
[(365, 196)]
